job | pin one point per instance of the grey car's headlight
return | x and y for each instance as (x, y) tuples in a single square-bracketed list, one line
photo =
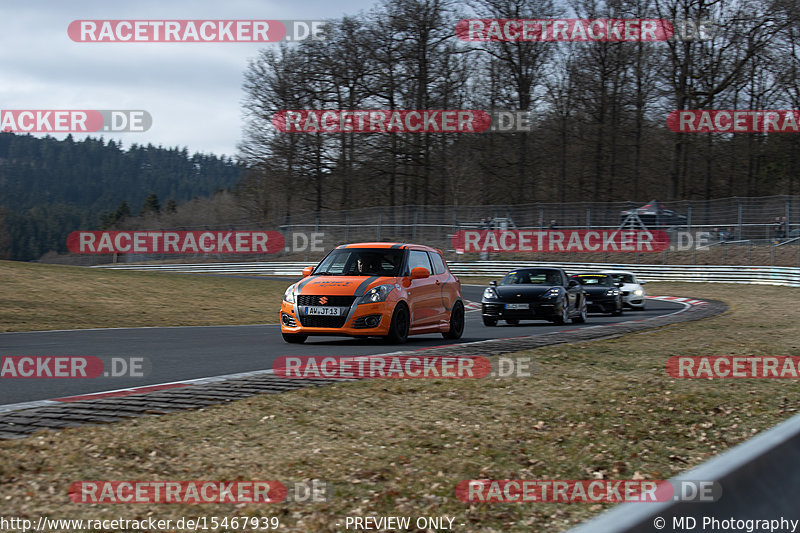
[(490, 294), (638, 292), (552, 293), (376, 294), (288, 296)]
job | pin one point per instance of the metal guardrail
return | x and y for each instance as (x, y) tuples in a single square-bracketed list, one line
[(760, 275), (760, 480)]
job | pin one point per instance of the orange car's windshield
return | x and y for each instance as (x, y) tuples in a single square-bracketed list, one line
[(361, 262)]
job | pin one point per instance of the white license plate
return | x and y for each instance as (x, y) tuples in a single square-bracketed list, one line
[(325, 311), (518, 306)]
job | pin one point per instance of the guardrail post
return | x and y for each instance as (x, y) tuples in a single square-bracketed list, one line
[(724, 246), (772, 254), (414, 229), (739, 217), (380, 219), (346, 226), (689, 229), (788, 213)]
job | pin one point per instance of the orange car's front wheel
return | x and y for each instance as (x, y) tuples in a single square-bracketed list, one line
[(398, 329)]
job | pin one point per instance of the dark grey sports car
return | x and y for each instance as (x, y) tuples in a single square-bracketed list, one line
[(603, 293), (534, 294)]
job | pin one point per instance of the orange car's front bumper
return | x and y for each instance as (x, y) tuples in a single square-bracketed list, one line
[(290, 321)]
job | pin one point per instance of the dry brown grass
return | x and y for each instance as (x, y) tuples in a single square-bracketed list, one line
[(604, 408), (40, 297)]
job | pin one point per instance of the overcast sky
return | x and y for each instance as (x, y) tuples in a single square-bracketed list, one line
[(192, 90)]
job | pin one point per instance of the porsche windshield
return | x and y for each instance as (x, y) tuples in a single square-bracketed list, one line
[(595, 281), (532, 277), (362, 262)]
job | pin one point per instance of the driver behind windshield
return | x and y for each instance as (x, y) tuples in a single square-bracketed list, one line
[(367, 265)]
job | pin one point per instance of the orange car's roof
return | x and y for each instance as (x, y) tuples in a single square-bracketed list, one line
[(400, 245)]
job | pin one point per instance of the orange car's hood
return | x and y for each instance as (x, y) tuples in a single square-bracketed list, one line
[(341, 285)]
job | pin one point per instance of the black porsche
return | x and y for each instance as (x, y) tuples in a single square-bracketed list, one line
[(534, 294), (603, 292)]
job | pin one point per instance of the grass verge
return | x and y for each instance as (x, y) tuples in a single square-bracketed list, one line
[(41, 297), (594, 409)]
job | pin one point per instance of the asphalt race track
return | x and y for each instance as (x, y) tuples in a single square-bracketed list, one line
[(182, 353)]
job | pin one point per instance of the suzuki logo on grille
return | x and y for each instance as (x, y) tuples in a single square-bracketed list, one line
[(323, 300)]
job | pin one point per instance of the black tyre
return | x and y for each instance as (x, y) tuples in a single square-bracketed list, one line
[(489, 321), (294, 338), (456, 322), (398, 329), (512, 321), (581, 318)]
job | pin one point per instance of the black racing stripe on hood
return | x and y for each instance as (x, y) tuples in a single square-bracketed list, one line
[(300, 285), (361, 289)]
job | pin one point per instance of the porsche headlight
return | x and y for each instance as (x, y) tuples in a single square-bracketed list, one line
[(612, 292), (490, 294), (552, 293), (288, 296), (376, 294)]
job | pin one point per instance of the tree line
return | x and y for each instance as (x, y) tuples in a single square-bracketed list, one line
[(50, 187), (599, 131)]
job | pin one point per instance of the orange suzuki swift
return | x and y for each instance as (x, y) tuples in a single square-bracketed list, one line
[(391, 290)]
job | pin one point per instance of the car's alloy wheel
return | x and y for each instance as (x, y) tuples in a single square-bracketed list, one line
[(294, 338), (564, 318), (581, 318), (456, 322), (398, 329)]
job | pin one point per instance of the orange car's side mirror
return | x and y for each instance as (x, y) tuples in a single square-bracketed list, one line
[(307, 271), (419, 273)]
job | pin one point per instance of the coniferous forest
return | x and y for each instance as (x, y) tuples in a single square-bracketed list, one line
[(50, 187)]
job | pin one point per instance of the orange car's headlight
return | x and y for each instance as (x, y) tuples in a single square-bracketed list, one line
[(288, 296), (376, 294)]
